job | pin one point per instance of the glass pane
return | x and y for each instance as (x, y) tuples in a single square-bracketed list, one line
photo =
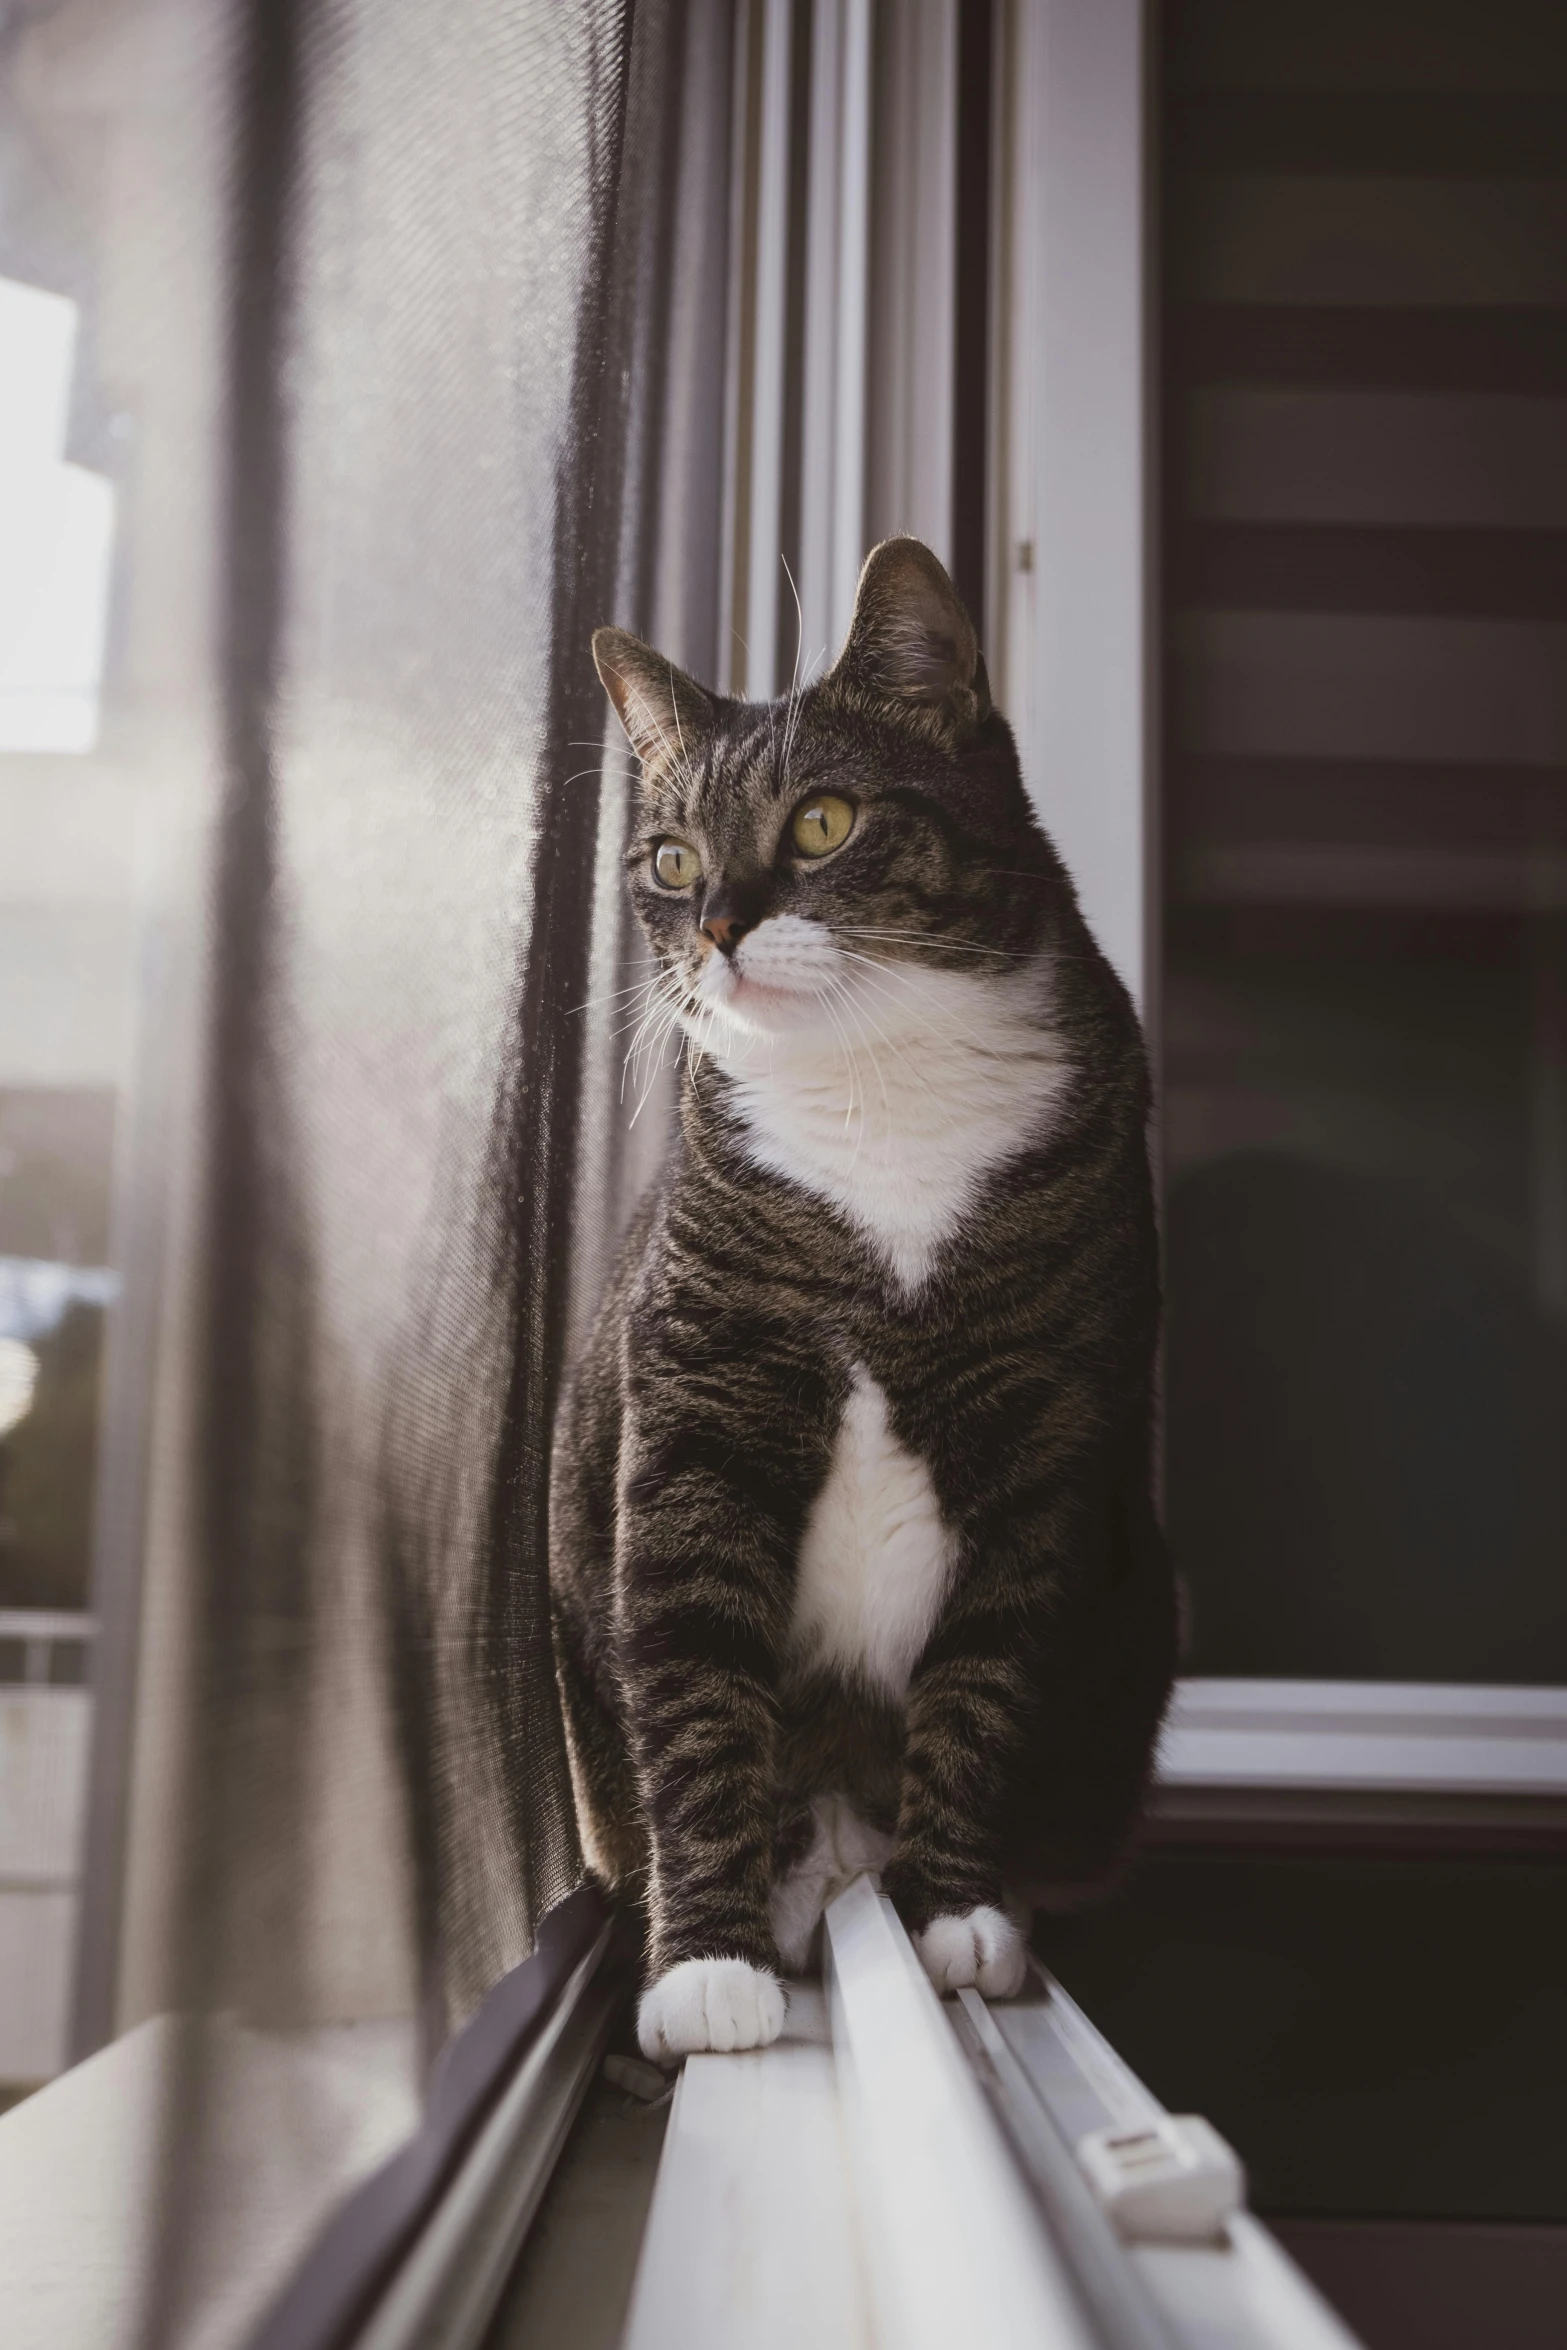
[(67, 977), (1365, 832)]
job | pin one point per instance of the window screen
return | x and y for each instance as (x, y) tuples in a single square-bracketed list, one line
[(387, 345)]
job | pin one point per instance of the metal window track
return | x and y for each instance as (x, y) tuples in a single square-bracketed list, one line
[(1366, 1738), (420, 2253), (1393, 1767), (1058, 2081), (892, 2171), (443, 2296), (924, 2184), (895, 2173)]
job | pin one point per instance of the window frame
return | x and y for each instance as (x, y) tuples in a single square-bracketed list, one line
[(1074, 427)]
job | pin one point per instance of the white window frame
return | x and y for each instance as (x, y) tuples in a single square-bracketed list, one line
[(1388, 1759), (1071, 629)]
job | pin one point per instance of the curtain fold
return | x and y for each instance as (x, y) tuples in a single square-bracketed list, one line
[(476, 280)]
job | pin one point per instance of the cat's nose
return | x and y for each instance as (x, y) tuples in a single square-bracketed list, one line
[(729, 910), (725, 930)]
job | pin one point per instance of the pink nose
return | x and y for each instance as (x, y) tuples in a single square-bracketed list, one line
[(725, 931)]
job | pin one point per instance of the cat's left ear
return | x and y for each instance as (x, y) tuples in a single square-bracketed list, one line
[(910, 639), (664, 712)]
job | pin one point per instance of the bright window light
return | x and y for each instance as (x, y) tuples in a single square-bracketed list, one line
[(56, 536), (18, 1378), (35, 1293)]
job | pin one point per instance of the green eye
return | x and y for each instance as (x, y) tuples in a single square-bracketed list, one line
[(821, 824), (676, 864)]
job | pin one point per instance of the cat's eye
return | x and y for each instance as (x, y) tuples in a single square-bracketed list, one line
[(821, 823), (676, 864)]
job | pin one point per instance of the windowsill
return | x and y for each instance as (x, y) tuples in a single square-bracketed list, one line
[(1419, 1763), (315, 2111), (1403, 1736)]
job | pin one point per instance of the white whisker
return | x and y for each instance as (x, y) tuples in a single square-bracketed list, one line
[(652, 1029), (854, 1012), (890, 975), (614, 995), (912, 1068), (792, 719), (923, 938)]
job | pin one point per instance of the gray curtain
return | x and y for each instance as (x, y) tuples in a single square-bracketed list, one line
[(468, 293)]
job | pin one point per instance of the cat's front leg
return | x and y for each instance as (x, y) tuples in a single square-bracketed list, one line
[(967, 1704), (705, 1554)]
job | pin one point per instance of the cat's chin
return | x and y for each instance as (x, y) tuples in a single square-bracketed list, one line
[(774, 988), (750, 1013)]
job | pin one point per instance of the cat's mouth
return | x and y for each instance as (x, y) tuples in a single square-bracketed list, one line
[(762, 1006), (777, 978), (769, 990), (743, 987)]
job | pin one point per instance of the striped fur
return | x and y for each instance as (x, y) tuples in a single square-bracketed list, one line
[(851, 1502)]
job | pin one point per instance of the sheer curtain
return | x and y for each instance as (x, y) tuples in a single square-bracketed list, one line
[(450, 327)]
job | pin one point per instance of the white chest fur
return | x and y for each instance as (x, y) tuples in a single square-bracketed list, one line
[(903, 1095), (876, 1556)]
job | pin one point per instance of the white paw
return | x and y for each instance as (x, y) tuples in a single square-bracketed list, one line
[(982, 1950), (719, 2003)]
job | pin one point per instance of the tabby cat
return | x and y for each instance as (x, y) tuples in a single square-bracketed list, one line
[(854, 1560)]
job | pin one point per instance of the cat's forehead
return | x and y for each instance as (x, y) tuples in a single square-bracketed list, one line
[(751, 767)]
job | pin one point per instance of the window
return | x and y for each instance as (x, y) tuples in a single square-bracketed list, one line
[(1365, 436)]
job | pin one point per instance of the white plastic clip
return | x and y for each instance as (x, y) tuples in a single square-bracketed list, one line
[(1171, 2178)]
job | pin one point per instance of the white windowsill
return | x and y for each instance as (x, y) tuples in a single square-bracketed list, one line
[(314, 2112), (1392, 1737)]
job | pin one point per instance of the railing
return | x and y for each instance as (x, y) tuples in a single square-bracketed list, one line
[(44, 1647), (45, 1726)]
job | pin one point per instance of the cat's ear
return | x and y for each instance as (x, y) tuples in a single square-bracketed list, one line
[(664, 712), (910, 639)]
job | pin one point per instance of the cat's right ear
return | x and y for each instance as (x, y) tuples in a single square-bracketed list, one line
[(910, 639), (664, 712)]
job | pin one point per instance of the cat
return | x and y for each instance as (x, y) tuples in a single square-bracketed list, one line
[(854, 1559)]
